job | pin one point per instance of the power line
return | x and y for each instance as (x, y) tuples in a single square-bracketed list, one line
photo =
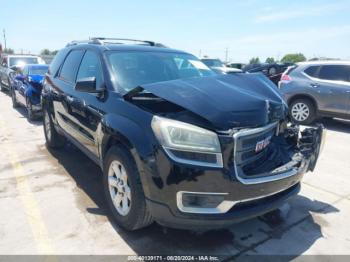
[(4, 32)]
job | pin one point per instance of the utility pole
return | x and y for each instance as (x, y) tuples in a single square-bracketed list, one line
[(226, 55), (200, 53), (4, 32)]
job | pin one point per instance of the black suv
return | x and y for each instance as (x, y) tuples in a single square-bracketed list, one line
[(177, 144)]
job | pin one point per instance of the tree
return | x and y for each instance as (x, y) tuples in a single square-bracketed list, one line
[(45, 52), (270, 60), (293, 58), (254, 60), (48, 52), (9, 51)]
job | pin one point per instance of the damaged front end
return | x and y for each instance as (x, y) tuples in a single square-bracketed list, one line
[(290, 150), (259, 143)]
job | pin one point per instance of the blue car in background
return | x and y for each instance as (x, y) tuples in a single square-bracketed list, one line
[(26, 88)]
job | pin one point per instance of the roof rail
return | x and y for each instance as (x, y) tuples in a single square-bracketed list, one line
[(107, 40)]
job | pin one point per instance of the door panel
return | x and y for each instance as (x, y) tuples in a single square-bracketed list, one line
[(63, 89), (332, 87), (332, 97), (85, 106)]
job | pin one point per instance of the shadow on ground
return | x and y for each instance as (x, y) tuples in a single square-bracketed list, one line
[(23, 111), (335, 124), (158, 240)]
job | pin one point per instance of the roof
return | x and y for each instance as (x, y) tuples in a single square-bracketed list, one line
[(17, 55), (325, 62), (127, 47), (105, 44), (140, 48)]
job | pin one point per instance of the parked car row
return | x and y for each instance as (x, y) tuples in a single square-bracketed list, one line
[(178, 144), (272, 70), (22, 76)]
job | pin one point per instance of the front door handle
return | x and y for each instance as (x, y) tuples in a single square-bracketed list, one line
[(315, 85)]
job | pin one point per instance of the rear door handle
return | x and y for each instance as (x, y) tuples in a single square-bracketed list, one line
[(315, 85)]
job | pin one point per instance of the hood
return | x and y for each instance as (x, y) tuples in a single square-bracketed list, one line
[(226, 101), (35, 78)]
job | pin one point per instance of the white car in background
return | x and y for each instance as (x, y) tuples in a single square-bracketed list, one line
[(219, 67)]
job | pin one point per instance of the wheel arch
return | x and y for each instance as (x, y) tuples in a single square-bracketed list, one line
[(121, 131), (303, 96)]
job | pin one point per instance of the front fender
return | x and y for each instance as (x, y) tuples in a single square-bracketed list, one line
[(122, 128), (138, 139)]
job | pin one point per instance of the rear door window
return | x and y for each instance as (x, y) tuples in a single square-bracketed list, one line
[(71, 65), (57, 62), (91, 67), (312, 71), (335, 72)]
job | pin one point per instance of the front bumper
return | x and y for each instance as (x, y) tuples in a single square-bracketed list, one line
[(166, 181), (243, 211)]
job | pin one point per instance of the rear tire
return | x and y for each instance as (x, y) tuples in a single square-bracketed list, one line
[(1, 87), (123, 190), (302, 111), (14, 100), (272, 71), (53, 139)]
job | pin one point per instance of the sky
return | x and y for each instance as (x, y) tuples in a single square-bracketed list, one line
[(250, 28)]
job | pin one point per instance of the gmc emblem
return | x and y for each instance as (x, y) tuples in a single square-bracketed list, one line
[(260, 145)]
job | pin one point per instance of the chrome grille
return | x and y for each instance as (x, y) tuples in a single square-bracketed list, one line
[(245, 142)]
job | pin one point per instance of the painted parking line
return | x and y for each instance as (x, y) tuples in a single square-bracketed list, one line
[(31, 208)]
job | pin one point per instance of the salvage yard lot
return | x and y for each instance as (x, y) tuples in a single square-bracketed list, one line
[(51, 202)]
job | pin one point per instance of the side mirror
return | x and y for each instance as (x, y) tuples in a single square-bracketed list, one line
[(4, 64), (87, 85)]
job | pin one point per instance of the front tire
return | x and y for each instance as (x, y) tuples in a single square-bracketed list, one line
[(302, 111), (123, 190), (29, 109), (53, 139)]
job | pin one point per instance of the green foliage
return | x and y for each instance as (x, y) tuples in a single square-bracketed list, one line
[(270, 60), (48, 52), (293, 58), (45, 52), (8, 51), (254, 60)]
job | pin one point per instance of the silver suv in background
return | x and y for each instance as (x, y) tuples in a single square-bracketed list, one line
[(317, 89)]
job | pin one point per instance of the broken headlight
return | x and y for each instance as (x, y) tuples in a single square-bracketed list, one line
[(186, 143)]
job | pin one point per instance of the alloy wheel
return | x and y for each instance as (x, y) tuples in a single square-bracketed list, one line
[(300, 112), (119, 188)]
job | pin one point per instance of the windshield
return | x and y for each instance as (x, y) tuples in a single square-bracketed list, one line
[(213, 62), (21, 61), (137, 68), (38, 70)]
